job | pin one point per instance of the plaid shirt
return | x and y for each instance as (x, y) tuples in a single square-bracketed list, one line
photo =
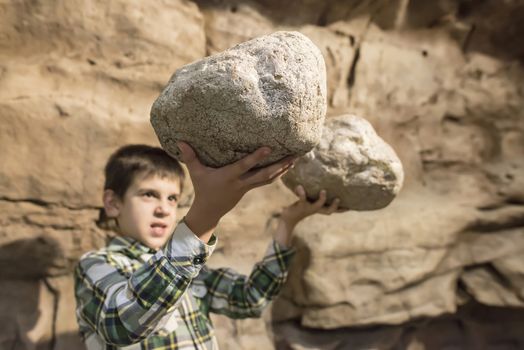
[(131, 297)]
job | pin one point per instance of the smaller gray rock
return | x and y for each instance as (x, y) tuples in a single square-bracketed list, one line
[(351, 162), (269, 91)]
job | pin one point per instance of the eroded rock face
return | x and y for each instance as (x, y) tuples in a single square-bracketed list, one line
[(77, 81), (351, 162), (270, 91), (473, 326)]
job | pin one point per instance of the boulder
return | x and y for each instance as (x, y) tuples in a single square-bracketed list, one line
[(351, 162), (269, 91)]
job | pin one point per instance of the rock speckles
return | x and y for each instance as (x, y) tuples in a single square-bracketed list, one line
[(269, 91), (351, 162)]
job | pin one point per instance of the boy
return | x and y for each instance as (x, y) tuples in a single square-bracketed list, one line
[(149, 288)]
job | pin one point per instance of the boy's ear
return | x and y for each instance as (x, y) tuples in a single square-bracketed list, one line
[(112, 204)]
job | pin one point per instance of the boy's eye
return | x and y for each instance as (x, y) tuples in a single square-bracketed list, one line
[(173, 198), (148, 194)]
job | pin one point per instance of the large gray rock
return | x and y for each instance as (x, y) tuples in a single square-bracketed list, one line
[(269, 91), (351, 162)]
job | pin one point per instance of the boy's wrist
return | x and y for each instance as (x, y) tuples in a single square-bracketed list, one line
[(201, 221), (288, 222), (284, 231)]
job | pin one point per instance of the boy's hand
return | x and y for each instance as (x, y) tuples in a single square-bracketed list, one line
[(298, 211), (217, 191)]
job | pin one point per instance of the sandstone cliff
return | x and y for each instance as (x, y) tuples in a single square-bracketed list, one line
[(441, 81)]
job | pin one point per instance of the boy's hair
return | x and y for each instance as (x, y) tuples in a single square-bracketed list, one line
[(131, 161)]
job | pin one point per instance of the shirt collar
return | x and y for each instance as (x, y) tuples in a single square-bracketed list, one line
[(129, 246)]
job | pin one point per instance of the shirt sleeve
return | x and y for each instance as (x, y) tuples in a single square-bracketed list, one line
[(124, 309), (239, 296)]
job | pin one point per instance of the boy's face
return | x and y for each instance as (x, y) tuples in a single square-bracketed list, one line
[(147, 212)]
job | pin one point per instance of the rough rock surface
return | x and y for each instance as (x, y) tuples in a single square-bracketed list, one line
[(269, 91), (351, 162), (473, 326), (77, 80)]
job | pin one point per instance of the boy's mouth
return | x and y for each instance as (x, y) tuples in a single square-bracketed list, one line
[(158, 229)]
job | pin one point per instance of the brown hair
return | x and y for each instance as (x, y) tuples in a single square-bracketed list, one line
[(131, 161)]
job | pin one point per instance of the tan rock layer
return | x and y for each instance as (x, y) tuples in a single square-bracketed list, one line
[(77, 79)]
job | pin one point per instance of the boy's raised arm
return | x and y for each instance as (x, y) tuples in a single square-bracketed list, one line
[(240, 296), (217, 191), (124, 307)]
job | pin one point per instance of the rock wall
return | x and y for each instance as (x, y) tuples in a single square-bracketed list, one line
[(441, 81)]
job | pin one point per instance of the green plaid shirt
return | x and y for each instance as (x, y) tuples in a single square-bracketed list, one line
[(131, 297)]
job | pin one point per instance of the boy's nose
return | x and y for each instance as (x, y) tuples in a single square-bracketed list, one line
[(162, 209)]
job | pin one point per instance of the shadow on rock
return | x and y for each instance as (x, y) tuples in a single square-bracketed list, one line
[(28, 302), (29, 258), (474, 326)]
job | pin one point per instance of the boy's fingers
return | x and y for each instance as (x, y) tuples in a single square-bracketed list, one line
[(188, 156), (300, 192), (272, 178), (319, 203), (333, 207), (243, 165), (261, 176)]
